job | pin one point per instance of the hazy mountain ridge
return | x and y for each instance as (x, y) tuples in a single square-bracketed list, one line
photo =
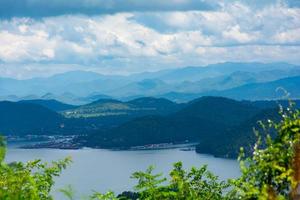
[(263, 91), (235, 79), (78, 87)]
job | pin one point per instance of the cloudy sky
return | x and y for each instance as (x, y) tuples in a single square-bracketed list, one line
[(42, 37)]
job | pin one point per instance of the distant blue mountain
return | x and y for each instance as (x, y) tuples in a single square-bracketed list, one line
[(179, 97), (220, 69), (263, 91), (81, 87), (147, 87), (234, 79), (93, 97)]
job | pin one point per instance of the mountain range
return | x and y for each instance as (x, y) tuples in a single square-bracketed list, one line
[(233, 80), (282, 88)]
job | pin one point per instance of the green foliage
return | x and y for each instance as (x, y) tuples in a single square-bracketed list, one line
[(198, 183), (149, 184), (270, 172), (2, 149), (32, 180), (190, 185), (107, 196), (68, 192)]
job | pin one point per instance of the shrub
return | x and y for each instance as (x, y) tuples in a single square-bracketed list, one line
[(32, 180)]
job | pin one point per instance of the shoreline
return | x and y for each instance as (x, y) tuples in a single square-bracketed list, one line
[(72, 146)]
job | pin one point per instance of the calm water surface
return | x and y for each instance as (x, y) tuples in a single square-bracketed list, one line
[(103, 170)]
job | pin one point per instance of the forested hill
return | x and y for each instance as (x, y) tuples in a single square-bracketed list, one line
[(202, 118), (27, 118), (40, 116), (228, 143), (134, 108), (221, 126), (50, 104)]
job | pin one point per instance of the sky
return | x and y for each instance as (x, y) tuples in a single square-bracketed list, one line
[(44, 37)]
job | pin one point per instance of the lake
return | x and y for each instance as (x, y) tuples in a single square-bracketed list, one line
[(103, 170)]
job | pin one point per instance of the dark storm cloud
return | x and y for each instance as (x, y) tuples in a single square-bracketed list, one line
[(46, 8)]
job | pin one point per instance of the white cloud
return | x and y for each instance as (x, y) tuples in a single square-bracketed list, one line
[(235, 33), (133, 42), (289, 36), (49, 53)]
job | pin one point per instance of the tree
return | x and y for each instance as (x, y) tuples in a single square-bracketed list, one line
[(273, 171), (198, 183), (32, 180)]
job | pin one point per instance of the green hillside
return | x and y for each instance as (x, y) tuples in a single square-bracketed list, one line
[(202, 118), (111, 107)]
